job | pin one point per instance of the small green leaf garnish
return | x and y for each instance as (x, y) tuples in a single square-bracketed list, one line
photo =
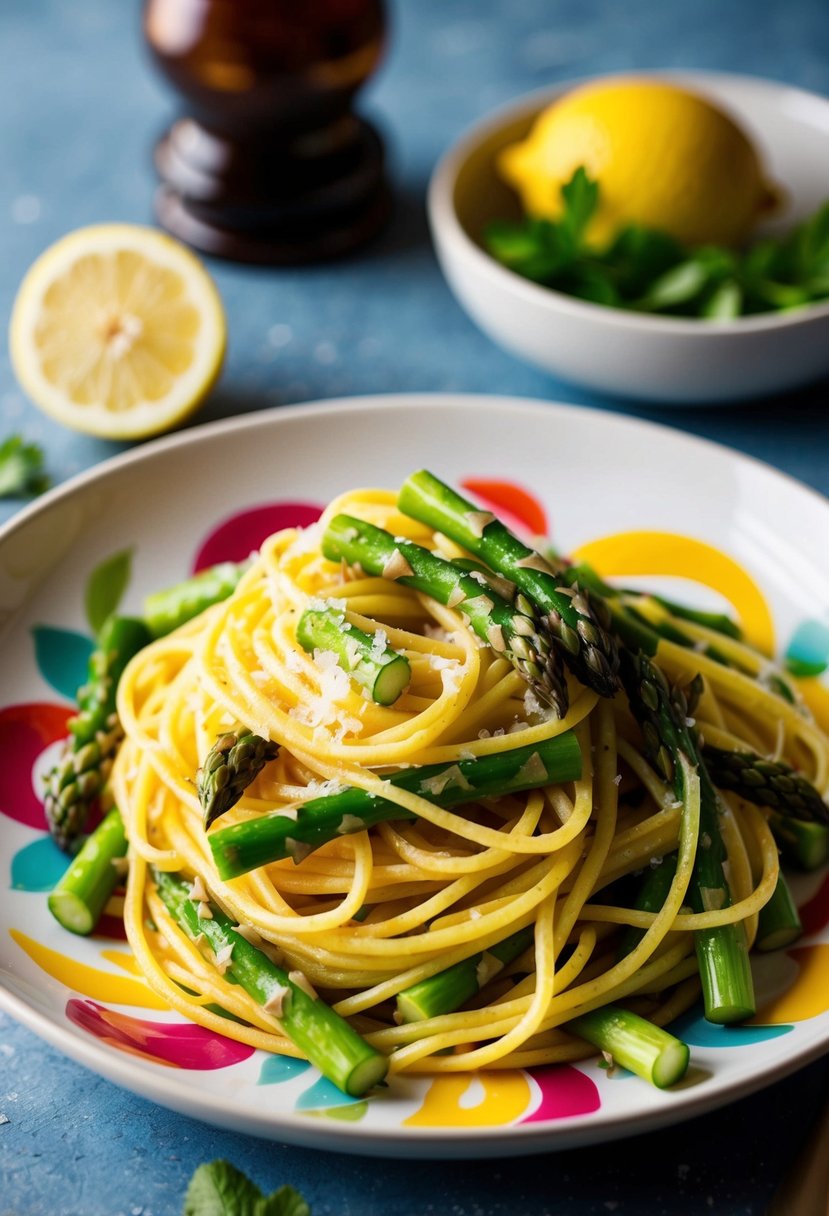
[(105, 588), (21, 469), (220, 1189), (648, 271)]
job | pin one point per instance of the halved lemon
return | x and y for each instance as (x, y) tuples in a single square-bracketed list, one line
[(117, 330)]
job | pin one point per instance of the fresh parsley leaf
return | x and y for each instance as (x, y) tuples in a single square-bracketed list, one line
[(679, 285), (220, 1189), (724, 303), (580, 197), (21, 469)]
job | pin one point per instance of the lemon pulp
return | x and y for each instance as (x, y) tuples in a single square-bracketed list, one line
[(664, 158)]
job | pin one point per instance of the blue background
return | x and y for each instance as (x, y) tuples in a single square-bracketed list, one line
[(79, 110)]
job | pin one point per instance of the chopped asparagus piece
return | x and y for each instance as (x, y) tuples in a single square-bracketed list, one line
[(80, 774), (578, 627), (512, 629), (81, 894), (167, 610), (779, 921), (647, 1050), (272, 837), (234, 761), (449, 989), (325, 1038), (376, 667), (766, 783)]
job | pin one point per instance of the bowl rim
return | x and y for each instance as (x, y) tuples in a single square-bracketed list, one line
[(446, 226)]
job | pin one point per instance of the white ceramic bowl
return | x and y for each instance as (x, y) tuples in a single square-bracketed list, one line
[(664, 359)]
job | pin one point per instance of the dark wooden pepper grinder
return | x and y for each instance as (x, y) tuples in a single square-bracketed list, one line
[(270, 165)]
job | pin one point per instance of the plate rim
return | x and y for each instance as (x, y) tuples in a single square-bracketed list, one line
[(297, 1127)]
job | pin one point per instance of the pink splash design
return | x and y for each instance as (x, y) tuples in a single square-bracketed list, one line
[(236, 538), (25, 731), (564, 1092), (515, 506), (814, 914), (177, 1045)]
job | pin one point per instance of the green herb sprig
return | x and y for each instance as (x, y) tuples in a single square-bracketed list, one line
[(220, 1189), (645, 270), (21, 469)]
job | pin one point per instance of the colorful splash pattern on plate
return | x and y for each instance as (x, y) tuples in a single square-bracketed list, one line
[(30, 731)]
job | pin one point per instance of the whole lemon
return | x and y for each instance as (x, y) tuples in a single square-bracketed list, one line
[(663, 157)]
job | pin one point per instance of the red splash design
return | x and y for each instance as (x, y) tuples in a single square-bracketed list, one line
[(25, 731), (565, 1092), (236, 538), (111, 928), (814, 914), (513, 504), (177, 1045)]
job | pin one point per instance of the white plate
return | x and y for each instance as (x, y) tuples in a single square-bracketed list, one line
[(593, 474)]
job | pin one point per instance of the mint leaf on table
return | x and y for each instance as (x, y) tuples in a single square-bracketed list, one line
[(21, 469), (220, 1189)]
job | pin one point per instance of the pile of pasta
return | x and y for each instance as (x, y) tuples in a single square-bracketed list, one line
[(371, 913)]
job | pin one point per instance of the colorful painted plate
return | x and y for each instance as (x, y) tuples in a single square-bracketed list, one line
[(673, 508)]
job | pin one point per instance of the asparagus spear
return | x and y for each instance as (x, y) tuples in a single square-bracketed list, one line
[(368, 660), (234, 761), (802, 842), (325, 1038), (513, 629), (81, 894), (721, 952), (651, 897), (578, 626), (636, 1044), (764, 782), (779, 921), (94, 733), (296, 833), (166, 610), (449, 989)]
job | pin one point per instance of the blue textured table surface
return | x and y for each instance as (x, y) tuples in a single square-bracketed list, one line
[(79, 108)]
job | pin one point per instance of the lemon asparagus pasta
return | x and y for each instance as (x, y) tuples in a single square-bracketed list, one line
[(414, 797)]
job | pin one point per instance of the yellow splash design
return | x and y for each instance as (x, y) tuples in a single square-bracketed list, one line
[(506, 1096), (88, 981), (808, 997), (668, 553), (120, 958)]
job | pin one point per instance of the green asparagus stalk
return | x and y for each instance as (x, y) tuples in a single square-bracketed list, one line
[(167, 610), (448, 990), (379, 668), (764, 782), (579, 627), (234, 761), (651, 896), (719, 622), (803, 843), (722, 953), (296, 832), (80, 774), (325, 1038), (81, 894), (513, 629), (638, 1045), (779, 923)]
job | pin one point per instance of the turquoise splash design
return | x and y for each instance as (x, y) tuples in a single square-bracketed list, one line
[(808, 651), (62, 658), (693, 1029), (324, 1093), (38, 866), (281, 1068)]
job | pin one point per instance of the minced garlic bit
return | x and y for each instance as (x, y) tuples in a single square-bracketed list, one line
[(487, 967), (204, 911), (477, 521), (198, 891), (397, 566), (223, 957), (249, 934), (300, 980), (533, 770), (349, 824), (456, 596), (297, 849), (495, 637), (275, 1004), (450, 778), (534, 561)]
